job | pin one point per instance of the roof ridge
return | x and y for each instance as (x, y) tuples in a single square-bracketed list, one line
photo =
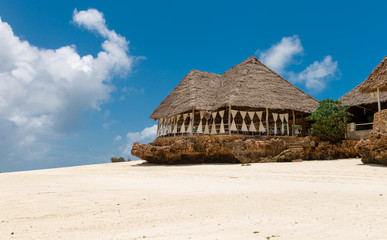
[(195, 70), (257, 61)]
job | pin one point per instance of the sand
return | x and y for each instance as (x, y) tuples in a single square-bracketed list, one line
[(341, 199)]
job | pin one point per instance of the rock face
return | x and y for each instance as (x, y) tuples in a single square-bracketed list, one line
[(239, 149), (289, 155), (208, 149), (380, 121), (323, 150), (374, 149)]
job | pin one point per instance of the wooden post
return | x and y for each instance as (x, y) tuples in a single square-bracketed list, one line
[(175, 121), (192, 121), (161, 127), (294, 124), (158, 127), (229, 120), (378, 96), (303, 126), (267, 122)]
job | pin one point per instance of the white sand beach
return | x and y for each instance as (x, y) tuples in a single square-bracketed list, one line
[(341, 199)]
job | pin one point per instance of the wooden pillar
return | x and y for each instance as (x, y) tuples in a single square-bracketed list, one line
[(267, 122), (303, 126), (287, 126), (294, 124), (378, 96), (158, 127), (229, 120), (161, 126), (192, 121), (175, 125)]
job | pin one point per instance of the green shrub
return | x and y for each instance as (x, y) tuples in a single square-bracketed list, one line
[(120, 159), (330, 120)]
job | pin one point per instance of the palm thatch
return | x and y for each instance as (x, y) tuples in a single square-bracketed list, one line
[(197, 90), (250, 84), (356, 98), (377, 79)]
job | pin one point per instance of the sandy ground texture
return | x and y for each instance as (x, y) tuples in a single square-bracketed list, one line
[(341, 199)]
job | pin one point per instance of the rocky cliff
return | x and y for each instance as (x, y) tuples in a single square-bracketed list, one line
[(374, 149), (239, 149)]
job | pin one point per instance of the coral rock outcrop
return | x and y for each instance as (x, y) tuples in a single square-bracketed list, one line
[(374, 149), (239, 149), (208, 149)]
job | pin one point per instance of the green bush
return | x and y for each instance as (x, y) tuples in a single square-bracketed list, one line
[(120, 159), (330, 120)]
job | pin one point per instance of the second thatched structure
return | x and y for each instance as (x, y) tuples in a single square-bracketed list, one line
[(249, 98), (376, 82), (365, 100), (363, 105)]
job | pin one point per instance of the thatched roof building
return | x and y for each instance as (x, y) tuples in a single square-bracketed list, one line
[(376, 80), (253, 84), (363, 105), (354, 98), (196, 91), (367, 98), (246, 96)]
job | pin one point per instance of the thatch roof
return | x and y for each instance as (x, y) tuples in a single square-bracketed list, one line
[(252, 84), (197, 90), (377, 79), (356, 98), (249, 84)]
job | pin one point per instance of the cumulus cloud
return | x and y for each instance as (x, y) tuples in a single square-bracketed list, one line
[(317, 74), (145, 136), (43, 92), (92, 19), (282, 54)]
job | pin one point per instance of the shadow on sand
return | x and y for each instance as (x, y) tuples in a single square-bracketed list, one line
[(146, 164), (372, 165)]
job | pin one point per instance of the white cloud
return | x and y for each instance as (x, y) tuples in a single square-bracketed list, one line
[(145, 136), (92, 19), (117, 139), (281, 54), (43, 92), (317, 74)]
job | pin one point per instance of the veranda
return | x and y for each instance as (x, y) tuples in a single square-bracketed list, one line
[(234, 120)]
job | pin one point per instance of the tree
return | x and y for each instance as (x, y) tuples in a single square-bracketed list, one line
[(330, 120)]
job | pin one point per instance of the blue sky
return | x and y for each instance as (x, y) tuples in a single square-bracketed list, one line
[(60, 108)]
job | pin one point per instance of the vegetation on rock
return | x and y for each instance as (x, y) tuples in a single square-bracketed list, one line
[(330, 121), (115, 159)]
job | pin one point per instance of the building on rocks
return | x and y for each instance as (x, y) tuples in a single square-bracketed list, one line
[(249, 99), (376, 82), (365, 100)]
